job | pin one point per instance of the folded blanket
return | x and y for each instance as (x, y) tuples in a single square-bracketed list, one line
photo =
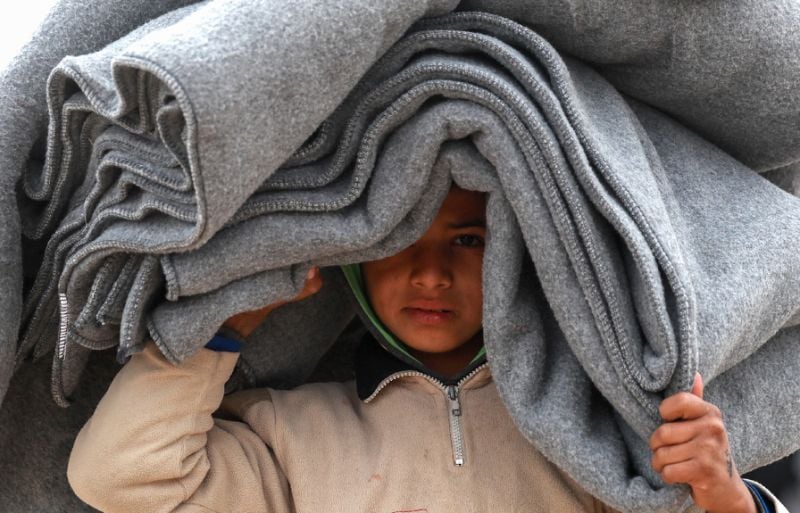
[(725, 69), (131, 123), (641, 234), (625, 252), (75, 28)]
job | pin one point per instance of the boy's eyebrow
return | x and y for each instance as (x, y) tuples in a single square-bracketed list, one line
[(471, 223)]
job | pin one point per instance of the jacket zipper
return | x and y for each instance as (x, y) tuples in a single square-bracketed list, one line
[(455, 425), (453, 405)]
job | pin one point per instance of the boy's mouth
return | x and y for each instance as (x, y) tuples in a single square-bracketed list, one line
[(429, 316)]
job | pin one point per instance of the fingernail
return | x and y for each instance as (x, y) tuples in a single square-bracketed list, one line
[(312, 273)]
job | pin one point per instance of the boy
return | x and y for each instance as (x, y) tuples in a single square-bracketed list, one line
[(422, 429)]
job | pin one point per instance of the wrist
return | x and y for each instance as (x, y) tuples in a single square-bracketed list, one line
[(231, 330), (741, 502), (245, 323)]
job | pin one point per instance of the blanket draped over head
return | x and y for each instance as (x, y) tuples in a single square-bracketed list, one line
[(166, 165)]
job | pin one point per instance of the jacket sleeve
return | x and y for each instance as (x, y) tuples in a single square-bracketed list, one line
[(767, 502), (152, 444)]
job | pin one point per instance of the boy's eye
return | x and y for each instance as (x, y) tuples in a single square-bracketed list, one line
[(469, 240)]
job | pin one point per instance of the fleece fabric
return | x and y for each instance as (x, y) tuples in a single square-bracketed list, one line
[(71, 28), (195, 165)]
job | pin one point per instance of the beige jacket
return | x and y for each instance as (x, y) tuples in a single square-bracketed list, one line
[(413, 446)]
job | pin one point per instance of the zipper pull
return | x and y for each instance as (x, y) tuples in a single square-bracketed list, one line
[(455, 405), (452, 393)]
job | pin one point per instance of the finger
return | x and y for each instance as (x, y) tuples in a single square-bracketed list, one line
[(312, 284), (671, 454), (312, 273), (682, 472), (314, 279), (684, 406), (698, 386), (674, 433)]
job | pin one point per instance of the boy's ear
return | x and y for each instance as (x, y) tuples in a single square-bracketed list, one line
[(697, 386)]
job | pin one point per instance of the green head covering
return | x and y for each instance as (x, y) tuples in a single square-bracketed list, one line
[(352, 273)]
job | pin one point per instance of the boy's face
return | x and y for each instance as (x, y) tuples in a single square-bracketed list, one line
[(429, 295)]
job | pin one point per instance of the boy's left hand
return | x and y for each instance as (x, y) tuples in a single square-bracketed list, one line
[(245, 323), (692, 447)]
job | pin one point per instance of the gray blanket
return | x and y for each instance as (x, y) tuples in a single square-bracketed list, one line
[(71, 28), (625, 252)]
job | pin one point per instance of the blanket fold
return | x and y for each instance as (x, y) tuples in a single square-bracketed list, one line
[(199, 165), (24, 121), (123, 166)]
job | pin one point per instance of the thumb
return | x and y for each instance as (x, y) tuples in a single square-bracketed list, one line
[(312, 284), (697, 386)]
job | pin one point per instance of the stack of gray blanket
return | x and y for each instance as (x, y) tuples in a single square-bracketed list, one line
[(192, 161)]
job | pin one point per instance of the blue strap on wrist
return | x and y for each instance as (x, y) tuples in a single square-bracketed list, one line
[(763, 505), (224, 344)]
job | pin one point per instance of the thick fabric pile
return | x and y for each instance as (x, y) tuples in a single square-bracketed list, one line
[(197, 166)]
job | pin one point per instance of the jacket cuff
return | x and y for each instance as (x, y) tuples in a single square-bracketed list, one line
[(766, 502), (224, 344)]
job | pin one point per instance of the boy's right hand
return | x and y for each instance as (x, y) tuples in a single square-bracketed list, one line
[(246, 322), (692, 447)]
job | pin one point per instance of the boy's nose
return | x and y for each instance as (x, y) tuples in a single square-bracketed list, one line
[(429, 269)]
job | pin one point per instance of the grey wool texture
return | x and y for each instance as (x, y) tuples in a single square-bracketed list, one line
[(189, 162), (71, 28)]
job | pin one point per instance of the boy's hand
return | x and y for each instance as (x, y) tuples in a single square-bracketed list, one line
[(692, 447), (246, 322)]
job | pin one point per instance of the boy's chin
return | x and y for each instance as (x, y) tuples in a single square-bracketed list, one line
[(437, 345), (436, 339), (429, 348)]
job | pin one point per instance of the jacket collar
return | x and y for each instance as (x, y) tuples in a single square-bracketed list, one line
[(375, 363)]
